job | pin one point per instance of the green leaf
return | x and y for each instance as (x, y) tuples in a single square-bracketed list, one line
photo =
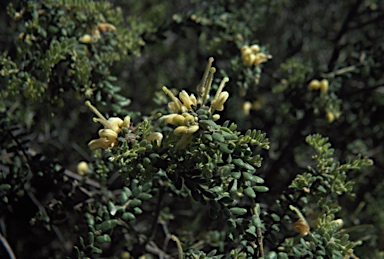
[(238, 211), (107, 225)]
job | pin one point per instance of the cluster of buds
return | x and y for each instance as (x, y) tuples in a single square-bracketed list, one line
[(316, 85), (186, 124), (95, 35), (181, 104), (112, 128), (252, 55)]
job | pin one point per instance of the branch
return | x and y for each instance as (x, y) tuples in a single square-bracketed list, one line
[(7, 247)]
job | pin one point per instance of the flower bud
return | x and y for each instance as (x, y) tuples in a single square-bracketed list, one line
[(126, 122), (180, 130), (184, 97), (245, 50), (314, 84), (86, 38), (324, 85), (82, 168), (154, 136), (108, 133), (255, 48), (218, 104), (99, 143), (178, 120), (261, 58), (249, 59), (193, 99), (330, 117), (193, 129), (247, 107), (215, 117)]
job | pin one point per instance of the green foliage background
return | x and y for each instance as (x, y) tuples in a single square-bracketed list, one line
[(46, 74)]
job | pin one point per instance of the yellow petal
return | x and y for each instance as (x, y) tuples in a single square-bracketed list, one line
[(108, 133), (180, 130), (154, 136), (184, 97), (99, 143), (115, 124)]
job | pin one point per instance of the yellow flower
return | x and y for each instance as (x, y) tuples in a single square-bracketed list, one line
[(154, 136), (253, 56), (218, 104), (82, 168), (261, 58), (247, 106), (324, 85), (103, 143), (314, 84), (112, 128)]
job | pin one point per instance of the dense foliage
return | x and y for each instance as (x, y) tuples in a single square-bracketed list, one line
[(266, 142)]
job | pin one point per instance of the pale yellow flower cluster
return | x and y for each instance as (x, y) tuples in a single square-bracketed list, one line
[(112, 128), (185, 122), (252, 55), (181, 104), (316, 84)]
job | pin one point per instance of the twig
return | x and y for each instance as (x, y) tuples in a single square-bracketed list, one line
[(179, 247), (153, 248), (259, 233), (7, 247), (79, 178), (339, 72)]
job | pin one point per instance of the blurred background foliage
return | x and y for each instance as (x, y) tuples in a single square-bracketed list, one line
[(44, 120)]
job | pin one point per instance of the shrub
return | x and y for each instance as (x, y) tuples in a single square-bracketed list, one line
[(255, 156)]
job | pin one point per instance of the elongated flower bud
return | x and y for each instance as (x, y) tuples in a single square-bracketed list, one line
[(168, 118), (99, 143), (193, 129), (184, 97), (218, 104), (314, 84), (126, 122), (154, 136), (178, 120), (180, 130), (193, 99), (108, 133), (255, 48), (324, 85)]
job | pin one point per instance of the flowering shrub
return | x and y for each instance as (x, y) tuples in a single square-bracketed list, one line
[(256, 158)]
